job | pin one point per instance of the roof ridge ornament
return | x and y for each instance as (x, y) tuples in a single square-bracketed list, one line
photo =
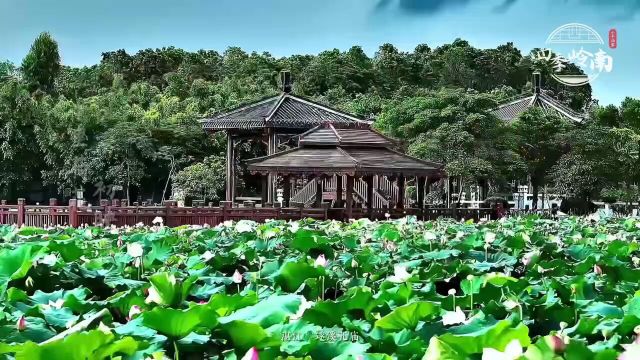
[(537, 82), (286, 81)]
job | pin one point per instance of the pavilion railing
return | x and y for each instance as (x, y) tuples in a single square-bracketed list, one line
[(304, 195), (120, 213)]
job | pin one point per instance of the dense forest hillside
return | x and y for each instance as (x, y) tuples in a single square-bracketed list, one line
[(131, 120)]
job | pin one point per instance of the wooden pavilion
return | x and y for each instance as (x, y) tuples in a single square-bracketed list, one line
[(345, 153), (273, 121), (511, 110)]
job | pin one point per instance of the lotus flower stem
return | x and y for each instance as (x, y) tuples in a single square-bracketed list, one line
[(176, 354), (259, 274), (521, 315), (322, 295), (238, 285), (452, 292)]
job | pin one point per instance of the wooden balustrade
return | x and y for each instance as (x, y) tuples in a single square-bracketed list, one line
[(119, 213)]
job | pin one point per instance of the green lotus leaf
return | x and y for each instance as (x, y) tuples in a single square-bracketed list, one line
[(79, 346), (172, 323), (408, 316)]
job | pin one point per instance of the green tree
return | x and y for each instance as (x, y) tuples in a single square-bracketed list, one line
[(41, 66), (19, 114), (204, 180), (121, 155)]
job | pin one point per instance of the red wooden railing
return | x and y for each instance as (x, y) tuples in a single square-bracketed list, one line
[(120, 213)]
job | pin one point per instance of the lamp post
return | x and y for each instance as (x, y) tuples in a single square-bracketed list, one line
[(279, 196)]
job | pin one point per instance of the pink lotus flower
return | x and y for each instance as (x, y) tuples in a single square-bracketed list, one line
[(135, 310), (321, 261), (21, 324), (556, 343), (252, 354), (631, 352), (237, 277), (597, 270)]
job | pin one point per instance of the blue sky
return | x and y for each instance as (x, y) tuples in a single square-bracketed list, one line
[(84, 29)]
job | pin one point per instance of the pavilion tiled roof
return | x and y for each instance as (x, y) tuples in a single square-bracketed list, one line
[(511, 110), (331, 135), (353, 151), (283, 111)]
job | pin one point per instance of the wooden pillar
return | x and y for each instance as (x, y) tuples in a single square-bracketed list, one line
[(420, 180), (231, 174), (369, 180), (401, 191), (265, 185), (349, 199), (338, 191), (271, 149), (21, 212), (286, 193), (73, 213), (319, 191)]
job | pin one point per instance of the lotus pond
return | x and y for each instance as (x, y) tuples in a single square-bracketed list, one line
[(522, 288)]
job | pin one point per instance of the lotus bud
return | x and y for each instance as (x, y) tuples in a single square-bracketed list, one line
[(252, 354), (120, 242), (321, 261), (237, 277), (597, 270), (556, 344), (354, 263), (563, 325), (452, 291), (29, 282), (21, 324)]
